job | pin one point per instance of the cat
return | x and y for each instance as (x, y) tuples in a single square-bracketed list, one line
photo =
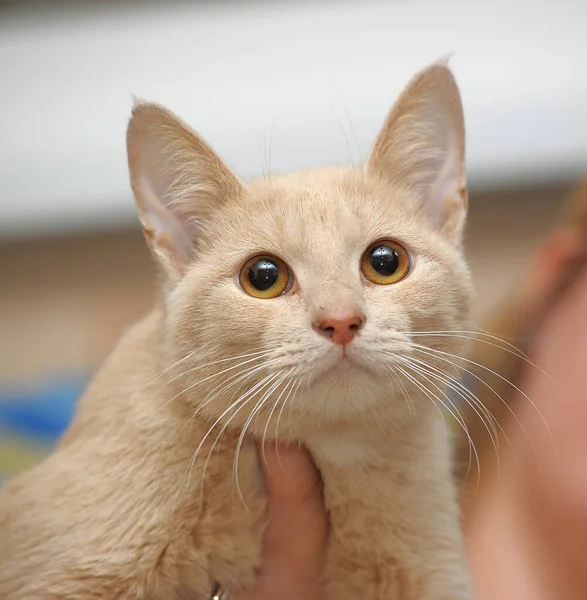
[(290, 308)]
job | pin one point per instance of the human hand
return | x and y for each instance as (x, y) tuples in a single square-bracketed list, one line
[(295, 541)]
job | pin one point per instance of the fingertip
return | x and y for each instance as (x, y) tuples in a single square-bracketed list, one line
[(289, 471), (285, 455)]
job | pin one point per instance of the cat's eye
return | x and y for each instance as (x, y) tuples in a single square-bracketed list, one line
[(265, 277), (385, 262)]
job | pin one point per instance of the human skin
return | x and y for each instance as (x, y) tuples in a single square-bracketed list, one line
[(526, 531), (295, 543)]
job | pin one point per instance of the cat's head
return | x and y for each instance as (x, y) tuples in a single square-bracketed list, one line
[(308, 294)]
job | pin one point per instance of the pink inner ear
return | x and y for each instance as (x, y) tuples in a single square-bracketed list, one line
[(175, 234), (448, 184)]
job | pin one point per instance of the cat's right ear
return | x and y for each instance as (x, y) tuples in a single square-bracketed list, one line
[(177, 180), (421, 147)]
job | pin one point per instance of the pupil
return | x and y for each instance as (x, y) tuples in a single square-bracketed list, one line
[(384, 260), (263, 274)]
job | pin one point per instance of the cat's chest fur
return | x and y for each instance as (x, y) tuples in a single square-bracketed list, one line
[(344, 449), (233, 518)]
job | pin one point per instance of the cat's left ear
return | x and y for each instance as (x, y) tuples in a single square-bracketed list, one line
[(177, 180), (422, 147)]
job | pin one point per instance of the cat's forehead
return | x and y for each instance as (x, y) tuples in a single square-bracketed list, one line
[(331, 207)]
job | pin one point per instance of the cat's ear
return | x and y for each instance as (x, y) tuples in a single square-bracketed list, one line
[(177, 181), (422, 147)]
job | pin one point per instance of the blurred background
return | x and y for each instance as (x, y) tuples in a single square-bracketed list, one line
[(271, 84)]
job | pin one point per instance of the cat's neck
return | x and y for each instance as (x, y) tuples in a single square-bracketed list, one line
[(128, 391), (374, 446)]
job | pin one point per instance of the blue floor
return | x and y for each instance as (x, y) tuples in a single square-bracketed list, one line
[(32, 420)]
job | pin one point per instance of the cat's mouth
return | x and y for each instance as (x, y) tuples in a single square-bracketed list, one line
[(342, 366), (345, 363)]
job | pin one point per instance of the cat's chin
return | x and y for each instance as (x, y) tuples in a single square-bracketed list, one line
[(343, 368), (344, 379)]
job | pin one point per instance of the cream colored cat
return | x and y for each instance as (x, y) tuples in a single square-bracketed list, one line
[(290, 308)]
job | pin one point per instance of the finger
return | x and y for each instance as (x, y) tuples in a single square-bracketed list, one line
[(297, 531), (290, 475)]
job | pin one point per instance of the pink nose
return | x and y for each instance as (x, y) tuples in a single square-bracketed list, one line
[(340, 331)]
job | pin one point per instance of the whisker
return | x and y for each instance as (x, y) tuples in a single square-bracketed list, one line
[(218, 373), (439, 354), (484, 414), (473, 336), (418, 369), (231, 407), (461, 421), (257, 389), (355, 138), (169, 368), (474, 333), (458, 419), (409, 402), (383, 426), (464, 393), (224, 387), (234, 380), (353, 131), (275, 405), (286, 401), (199, 381), (264, 398), (251, 356), (205, 365), (430, 396), (487, 412), (346, 139)]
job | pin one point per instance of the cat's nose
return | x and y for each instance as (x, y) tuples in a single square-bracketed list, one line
[(339, 330)]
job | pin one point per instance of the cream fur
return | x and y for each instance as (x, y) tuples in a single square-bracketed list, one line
[(139, 501)]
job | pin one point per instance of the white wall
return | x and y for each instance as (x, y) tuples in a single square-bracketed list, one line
[(243, 73)]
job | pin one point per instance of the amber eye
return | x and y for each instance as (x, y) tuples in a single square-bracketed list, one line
[(265, 277), (385, 262)]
